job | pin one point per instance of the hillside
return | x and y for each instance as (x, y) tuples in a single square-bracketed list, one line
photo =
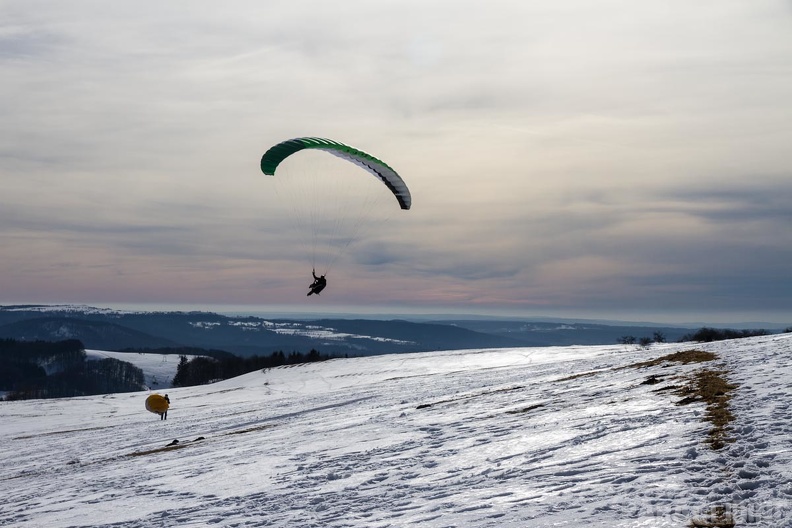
[(158, 369), (96, 334), (249, 335), (563, 436), (244, 336)]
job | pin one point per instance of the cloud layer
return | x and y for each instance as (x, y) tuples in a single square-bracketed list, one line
[(605, 159)]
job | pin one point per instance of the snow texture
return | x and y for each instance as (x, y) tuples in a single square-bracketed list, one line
[(563, 436)]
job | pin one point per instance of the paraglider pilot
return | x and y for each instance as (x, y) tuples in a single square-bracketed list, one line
[(164, 415), (318, 285)]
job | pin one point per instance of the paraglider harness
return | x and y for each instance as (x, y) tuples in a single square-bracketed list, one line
[(318, 285)]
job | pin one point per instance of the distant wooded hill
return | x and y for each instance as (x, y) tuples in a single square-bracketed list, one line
[(39, 369), (247, 336)]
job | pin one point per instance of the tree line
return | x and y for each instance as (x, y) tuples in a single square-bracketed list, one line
[(706, 334), (201, 370), (181, 351), (43, 369), (702, 335)]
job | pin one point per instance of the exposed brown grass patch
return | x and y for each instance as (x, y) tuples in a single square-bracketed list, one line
[(470, 396), (707, 385), (684, 357), (578, 376), (158, 450), (525, 409), (170, 447), (251, 429), (711, 387), (51, 433)]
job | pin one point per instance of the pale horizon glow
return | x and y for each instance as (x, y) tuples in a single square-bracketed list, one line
[(613, 161), (297, 311)]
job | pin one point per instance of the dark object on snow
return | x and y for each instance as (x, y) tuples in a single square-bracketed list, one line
[(651, 380)]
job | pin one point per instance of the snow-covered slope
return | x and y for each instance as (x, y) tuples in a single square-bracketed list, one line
[(515, 438), (158, 369)]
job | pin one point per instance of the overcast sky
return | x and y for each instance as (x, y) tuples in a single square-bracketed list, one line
[(595, 159)]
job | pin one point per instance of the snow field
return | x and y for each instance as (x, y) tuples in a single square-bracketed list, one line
[(561, 436)]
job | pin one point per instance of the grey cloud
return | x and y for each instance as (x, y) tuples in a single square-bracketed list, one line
[(21, 45), (766, 203), (536, 137)]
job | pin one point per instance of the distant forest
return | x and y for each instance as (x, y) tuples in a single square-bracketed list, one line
[(202, 370), (707, 335), (42, 369), (181, 351), (702, 335)]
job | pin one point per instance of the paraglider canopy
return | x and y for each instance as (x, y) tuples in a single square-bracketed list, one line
[(332, 202), (157, 404), (380, 169)]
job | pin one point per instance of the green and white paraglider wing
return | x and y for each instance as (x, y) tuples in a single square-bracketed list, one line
[(333, 203), (276, 154)]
